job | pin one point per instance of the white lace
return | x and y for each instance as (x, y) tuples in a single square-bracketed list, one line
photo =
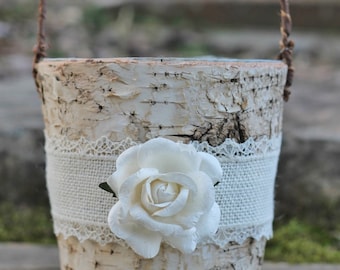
[(80, 208)]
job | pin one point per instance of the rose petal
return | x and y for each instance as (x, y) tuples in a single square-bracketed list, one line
[(145, 220), (128, 192), (142, 241), (168, 156), (147, 196), (199, 203), (116, 213), (208, 224), (211, 166), (176, 206), (164, 191), (179, 178), (148, 201), (126, 165), (185, 243)]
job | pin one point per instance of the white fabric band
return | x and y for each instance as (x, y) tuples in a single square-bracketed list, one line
[(80, 208)]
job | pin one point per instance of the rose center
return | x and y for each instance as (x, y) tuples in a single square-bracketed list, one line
[(163, 192)]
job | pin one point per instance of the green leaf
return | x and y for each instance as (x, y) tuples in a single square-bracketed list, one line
[(216, 183), (107, 188)]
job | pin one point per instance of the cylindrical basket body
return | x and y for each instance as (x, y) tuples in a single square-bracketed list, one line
[(94, 109)]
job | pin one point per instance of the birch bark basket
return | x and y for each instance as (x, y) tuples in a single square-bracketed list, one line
[(179, 99)]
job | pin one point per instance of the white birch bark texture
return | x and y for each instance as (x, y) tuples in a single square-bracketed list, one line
[(180, 99), (90, 255)]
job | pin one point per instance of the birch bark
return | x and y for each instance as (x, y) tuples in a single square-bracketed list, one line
[(179, 99)]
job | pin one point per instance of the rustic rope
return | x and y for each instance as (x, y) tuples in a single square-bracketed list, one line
[(40, 48), (286, 46)]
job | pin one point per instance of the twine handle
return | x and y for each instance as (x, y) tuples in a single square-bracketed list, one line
[(286, 46), (40, 48)]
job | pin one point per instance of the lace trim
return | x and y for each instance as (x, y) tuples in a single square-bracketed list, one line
[(245, 194), (225, 235), (104, 147), (231, 150), (102, 234)]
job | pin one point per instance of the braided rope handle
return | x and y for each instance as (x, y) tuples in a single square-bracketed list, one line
[(40, 48), (286, 44)]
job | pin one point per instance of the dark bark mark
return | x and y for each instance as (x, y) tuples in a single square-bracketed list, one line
[(240, 129)]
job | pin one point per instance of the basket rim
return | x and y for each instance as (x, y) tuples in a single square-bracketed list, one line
[(205, 61)]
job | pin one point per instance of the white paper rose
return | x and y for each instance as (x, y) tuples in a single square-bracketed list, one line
[(166, 193)]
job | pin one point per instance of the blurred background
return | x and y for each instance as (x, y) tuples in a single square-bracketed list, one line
[(307, 222)]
